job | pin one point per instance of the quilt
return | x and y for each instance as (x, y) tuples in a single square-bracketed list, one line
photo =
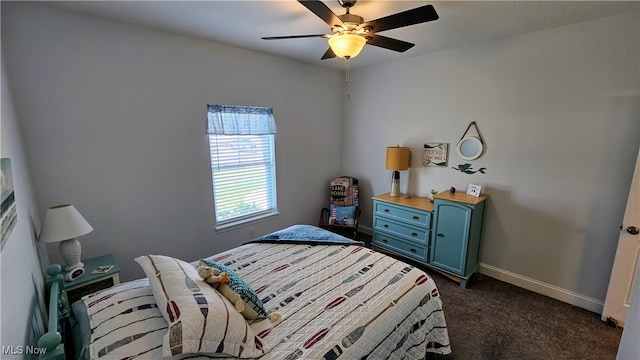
[(337, 301)]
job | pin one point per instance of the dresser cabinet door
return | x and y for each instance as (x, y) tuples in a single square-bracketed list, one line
[(450, 237)]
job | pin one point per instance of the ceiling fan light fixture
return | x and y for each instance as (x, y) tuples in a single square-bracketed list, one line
[(347, 45)]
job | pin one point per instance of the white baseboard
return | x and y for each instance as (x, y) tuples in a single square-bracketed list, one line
[(536, 286), (539, 287)]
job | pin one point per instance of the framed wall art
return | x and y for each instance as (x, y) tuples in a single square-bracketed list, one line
[(435, 154), (9, 214)]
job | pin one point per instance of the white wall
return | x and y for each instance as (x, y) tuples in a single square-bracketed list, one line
[(114, 115), (559, 111), (21, 276)]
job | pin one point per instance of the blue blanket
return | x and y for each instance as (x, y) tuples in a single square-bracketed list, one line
[(305, 234)]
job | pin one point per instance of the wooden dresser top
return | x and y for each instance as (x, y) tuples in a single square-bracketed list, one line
[(427, 204), (461, 197), (414, 201)]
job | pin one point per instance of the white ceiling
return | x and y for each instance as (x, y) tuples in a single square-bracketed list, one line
[(243, 23)]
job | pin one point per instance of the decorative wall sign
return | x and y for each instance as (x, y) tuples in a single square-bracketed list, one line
[(9, 213), (435, 154), (467, 169), (474, 190)]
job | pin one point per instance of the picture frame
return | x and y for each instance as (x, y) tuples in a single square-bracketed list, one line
[(102, 269), (474, 190), (9, 211), (435, 154)]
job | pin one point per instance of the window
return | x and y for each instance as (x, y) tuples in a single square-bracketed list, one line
[(241, 144)]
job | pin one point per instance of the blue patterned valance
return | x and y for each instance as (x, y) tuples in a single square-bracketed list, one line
[(240, 120)]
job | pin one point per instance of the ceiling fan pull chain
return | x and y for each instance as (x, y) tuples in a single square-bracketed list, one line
[(346, 80)]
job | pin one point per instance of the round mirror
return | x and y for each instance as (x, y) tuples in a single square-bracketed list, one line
[(470, 148)]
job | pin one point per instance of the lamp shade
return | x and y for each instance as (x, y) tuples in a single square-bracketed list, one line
[(63, 222), (346, 45), (397, 158)]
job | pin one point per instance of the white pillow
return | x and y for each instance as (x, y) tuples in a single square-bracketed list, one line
[(200, 319)]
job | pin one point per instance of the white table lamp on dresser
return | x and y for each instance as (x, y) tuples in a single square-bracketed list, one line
[(64, 224)]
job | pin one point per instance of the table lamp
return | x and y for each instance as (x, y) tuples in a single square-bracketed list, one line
[(64, 224), (397, 160)]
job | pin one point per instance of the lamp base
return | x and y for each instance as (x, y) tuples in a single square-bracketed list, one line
[(395, 184), (71, 253)]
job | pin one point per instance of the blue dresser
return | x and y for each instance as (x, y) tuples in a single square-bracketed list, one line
[(443, 235)]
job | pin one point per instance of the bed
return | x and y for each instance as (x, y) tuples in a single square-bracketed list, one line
[(334, 297)]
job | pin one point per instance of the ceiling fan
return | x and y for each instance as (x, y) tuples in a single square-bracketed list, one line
[(349, 32)]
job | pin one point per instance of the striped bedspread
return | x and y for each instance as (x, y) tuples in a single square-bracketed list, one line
[(336, 301)]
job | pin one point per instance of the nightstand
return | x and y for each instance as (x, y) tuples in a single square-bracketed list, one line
[(89, 283)]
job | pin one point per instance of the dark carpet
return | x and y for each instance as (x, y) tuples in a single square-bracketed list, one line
[(493, 320)]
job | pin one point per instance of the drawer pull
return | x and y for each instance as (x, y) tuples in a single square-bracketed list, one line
[(414, 234), (416, 217), (385, 226), (412, 250), (440, 234), (384, 241), (386, 210)]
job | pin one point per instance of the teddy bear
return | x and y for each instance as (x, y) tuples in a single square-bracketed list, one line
[(212, 276), (219, 280)]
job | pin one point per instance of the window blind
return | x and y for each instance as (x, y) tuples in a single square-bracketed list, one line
[(241, 143)]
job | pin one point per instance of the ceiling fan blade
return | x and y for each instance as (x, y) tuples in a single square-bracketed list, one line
[(388, 43), (401, 19), (295, 36), (323, 12), (328, 54)]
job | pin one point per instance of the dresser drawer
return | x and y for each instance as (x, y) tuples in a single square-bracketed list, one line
[(417, 234), (405, 214), (395, 244)]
